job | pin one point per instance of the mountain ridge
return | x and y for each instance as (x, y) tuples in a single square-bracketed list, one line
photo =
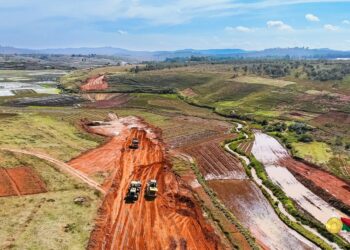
[(297, 52)]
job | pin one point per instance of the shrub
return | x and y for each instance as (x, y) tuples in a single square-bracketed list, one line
[(299, 128), (305, 138)]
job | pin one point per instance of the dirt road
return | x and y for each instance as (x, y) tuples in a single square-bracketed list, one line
[(171, 221)]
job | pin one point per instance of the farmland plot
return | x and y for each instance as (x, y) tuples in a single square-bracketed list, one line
[(269, 152)]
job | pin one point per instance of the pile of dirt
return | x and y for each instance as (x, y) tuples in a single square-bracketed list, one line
[(95, 83), (171, 221), (20, 181)]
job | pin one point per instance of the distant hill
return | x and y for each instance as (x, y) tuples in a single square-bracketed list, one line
[(299, 53)]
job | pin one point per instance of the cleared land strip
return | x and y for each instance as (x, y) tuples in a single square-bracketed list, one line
[(61, 165)]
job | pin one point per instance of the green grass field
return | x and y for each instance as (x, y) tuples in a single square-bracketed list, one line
[(49, 220), (47, 134), (317, 152)]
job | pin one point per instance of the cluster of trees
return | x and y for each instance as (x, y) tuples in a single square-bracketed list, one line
[(299, 128), (273, 68), (327, 71), (313, 70), (149, 66), (320, 70)]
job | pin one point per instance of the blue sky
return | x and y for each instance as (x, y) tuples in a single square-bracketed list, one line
[(169, 24)]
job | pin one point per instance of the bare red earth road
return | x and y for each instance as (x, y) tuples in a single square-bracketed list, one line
[(171, 221)]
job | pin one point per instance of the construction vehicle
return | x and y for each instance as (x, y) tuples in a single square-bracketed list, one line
[(151, 189), (134, 144), (133, 191)]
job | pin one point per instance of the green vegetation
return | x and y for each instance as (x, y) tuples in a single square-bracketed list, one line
[(46, 134), (317, 152), (266, 81), (39, 221)]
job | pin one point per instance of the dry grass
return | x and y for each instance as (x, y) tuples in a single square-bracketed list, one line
[(261, 80)]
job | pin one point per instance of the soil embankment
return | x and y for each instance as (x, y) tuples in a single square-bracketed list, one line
[(171, 221), (105, 100), (95, 83)]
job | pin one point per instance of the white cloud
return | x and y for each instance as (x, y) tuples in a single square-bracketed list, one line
[(312, 18), (122, 32), (278, 25), (156, 12), (330, 27), (239, 28), (346, 22)]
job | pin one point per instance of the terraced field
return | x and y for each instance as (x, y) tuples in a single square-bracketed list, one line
[(246, 147)]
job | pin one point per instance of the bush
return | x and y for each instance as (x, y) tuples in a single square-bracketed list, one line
[(305, 138), (299, 128), (278, 126)]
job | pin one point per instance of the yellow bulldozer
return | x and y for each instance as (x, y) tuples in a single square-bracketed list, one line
[(151, 189)]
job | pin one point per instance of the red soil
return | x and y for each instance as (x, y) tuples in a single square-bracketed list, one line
[(171, 221), (103, 160), (333, 185), (95, 83), (20, 181)]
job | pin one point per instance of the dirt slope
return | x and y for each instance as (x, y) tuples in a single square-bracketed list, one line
[(171, 221), (105, 100), (95, 83)]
